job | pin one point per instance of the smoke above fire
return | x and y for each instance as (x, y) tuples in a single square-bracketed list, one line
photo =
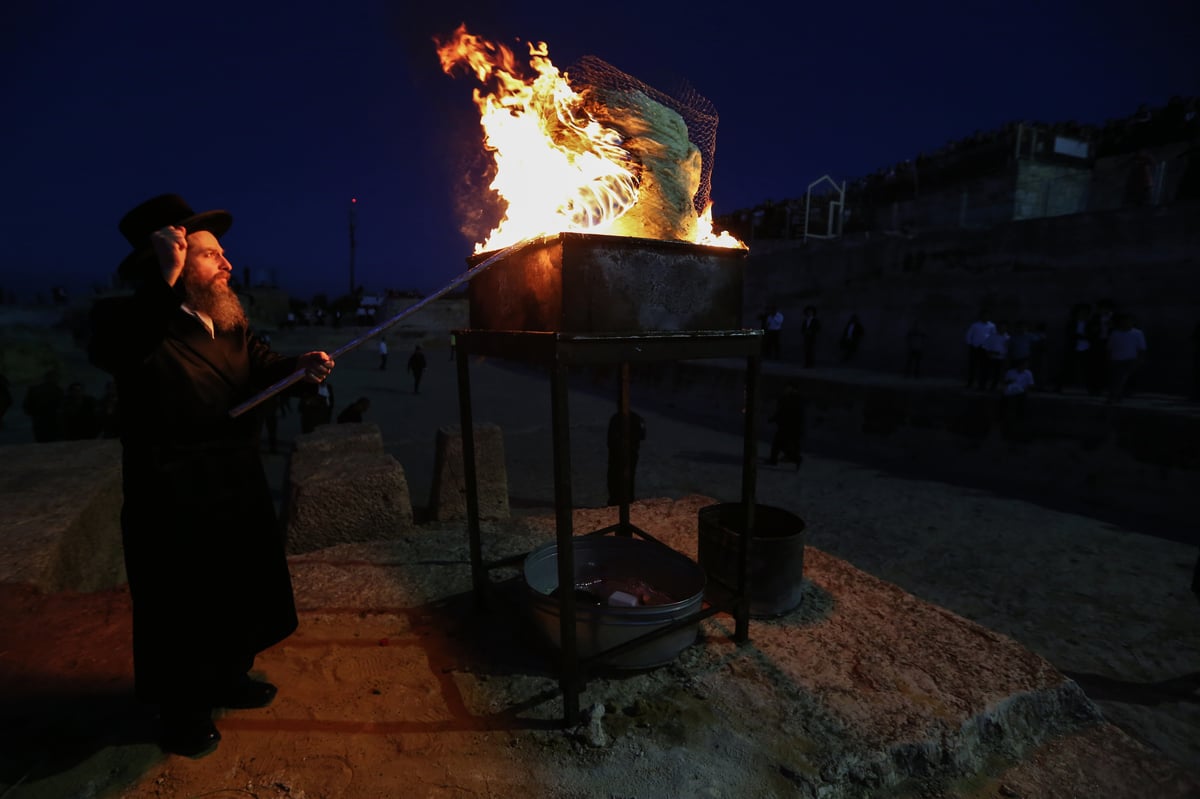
[(600, 161)]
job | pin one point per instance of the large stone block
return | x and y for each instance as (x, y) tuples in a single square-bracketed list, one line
[(61, 527), (334, 439), (342, 487), (448, 498)]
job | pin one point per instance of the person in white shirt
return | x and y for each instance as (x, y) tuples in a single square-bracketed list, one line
[(978, 333), (1017, 382), (773, 325), (995, 349), (1126, 348)]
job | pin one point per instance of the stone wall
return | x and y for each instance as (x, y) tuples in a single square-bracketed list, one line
[(976, 203), (1050, 189)]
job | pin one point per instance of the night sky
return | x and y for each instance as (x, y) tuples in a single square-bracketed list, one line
[(282, 116)]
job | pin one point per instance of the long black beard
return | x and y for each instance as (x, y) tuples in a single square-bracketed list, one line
[(216, 299)]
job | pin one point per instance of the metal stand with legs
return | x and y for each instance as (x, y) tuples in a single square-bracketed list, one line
[(558, 352)]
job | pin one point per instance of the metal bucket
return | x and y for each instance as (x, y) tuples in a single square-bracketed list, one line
[(776, 567), (598, 628)]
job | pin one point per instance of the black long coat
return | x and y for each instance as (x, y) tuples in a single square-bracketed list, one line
[(203, 549)]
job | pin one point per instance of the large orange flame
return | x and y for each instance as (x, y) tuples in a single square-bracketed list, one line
[(557, 168)]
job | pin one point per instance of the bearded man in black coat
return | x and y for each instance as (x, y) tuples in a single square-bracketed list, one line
[(204, 552)]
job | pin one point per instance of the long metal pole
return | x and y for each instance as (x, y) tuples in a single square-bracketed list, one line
[(353, 203), (298, 375)]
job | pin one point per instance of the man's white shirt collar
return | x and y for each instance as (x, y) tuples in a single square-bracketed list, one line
[(204, 318)]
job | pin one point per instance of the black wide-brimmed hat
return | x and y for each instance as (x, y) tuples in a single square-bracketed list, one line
[(160, 212)]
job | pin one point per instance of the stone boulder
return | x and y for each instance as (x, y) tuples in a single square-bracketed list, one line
[(342, 487), (448, 497), (61, 528), (337, 439)]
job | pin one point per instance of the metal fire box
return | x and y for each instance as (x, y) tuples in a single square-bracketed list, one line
[(585, 283)]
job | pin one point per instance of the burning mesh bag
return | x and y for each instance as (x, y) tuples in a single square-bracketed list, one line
[(673, 138)]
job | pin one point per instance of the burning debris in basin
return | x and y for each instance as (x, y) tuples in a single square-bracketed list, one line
[(600, 152)]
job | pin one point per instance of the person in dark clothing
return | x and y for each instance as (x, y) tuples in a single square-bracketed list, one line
[(272, 409), (1196, 578), (79, 419), (851, 337), (810, 326), (43, 404), (789, 426), (316, 408), (1076, 342), (354, 411), (110, 412), (416, 365), (5, 399), (915, 339), (1037, 351), (1196, 362), (1098, 328), (637, 434), (208, 576)]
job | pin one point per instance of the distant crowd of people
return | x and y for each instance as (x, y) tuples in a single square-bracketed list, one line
[(1101, 352), (771, 321)]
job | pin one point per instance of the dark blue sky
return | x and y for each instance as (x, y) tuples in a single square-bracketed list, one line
[(283, 114)]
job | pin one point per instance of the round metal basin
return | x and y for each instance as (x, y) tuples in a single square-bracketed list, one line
[(676, 585)]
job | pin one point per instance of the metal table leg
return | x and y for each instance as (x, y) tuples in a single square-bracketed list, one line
[(470, 480), (624, 453), (564, 528), (749, 477)]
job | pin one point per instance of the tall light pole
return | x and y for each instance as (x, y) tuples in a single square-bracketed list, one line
[(353, 204)]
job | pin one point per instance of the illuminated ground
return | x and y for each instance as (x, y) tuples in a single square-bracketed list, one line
[(393, 687)]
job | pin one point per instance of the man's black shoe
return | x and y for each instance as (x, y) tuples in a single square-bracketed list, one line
[(191, 735), (245, 692)]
